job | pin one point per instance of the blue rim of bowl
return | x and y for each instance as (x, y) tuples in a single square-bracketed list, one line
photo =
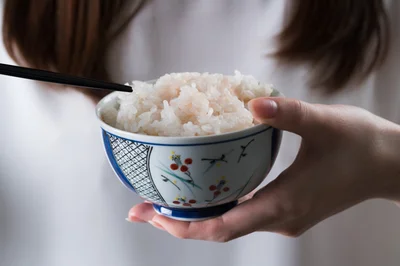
[(193, 144)]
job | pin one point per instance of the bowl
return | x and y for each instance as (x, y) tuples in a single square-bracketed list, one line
[(190, 178)]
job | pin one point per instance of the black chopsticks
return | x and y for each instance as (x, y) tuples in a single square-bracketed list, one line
[(53, 77)]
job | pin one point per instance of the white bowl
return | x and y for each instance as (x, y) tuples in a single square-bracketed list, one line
[(190, 178)]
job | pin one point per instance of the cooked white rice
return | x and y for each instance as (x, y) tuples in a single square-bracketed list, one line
[(187, 104)]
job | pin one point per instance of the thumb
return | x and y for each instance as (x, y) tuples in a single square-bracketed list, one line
[(286, 114)]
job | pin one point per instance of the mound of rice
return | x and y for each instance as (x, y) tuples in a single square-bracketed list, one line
[(187, 104)]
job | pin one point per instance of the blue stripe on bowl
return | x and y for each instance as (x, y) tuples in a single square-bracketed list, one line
[(275, 144), (113, 162), (195, 213)]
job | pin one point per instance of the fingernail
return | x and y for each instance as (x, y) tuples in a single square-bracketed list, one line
[(146, 201), (263, 108), (156, 225), (134, 219)]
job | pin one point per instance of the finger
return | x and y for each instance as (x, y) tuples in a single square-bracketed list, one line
[(244, 219), (142, 212), (146, 212), (287, 114)]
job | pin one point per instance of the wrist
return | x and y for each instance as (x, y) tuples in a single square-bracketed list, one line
[(389, 166)]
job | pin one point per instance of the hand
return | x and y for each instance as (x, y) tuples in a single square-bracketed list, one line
[(347, 155)]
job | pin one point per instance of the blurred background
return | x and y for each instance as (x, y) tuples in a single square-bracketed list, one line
[(60, 203)]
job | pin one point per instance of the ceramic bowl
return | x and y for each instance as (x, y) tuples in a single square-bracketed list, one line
[(190, 178)]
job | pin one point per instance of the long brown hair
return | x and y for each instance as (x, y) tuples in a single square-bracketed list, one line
[(67, 36), (341, 40)]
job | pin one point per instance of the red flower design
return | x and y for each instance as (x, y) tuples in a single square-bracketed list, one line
[(192, 201), (184, 168), (213, 187), (186, 204), (188, 161), (217, 193), (176, 202), (226, 189), (174, 166)]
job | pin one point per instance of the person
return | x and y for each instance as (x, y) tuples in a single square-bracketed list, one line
[(60, 203)]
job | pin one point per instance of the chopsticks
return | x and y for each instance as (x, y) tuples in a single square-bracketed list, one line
[(53, 77)]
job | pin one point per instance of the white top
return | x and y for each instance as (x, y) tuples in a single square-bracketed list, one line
[(61, 204)]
